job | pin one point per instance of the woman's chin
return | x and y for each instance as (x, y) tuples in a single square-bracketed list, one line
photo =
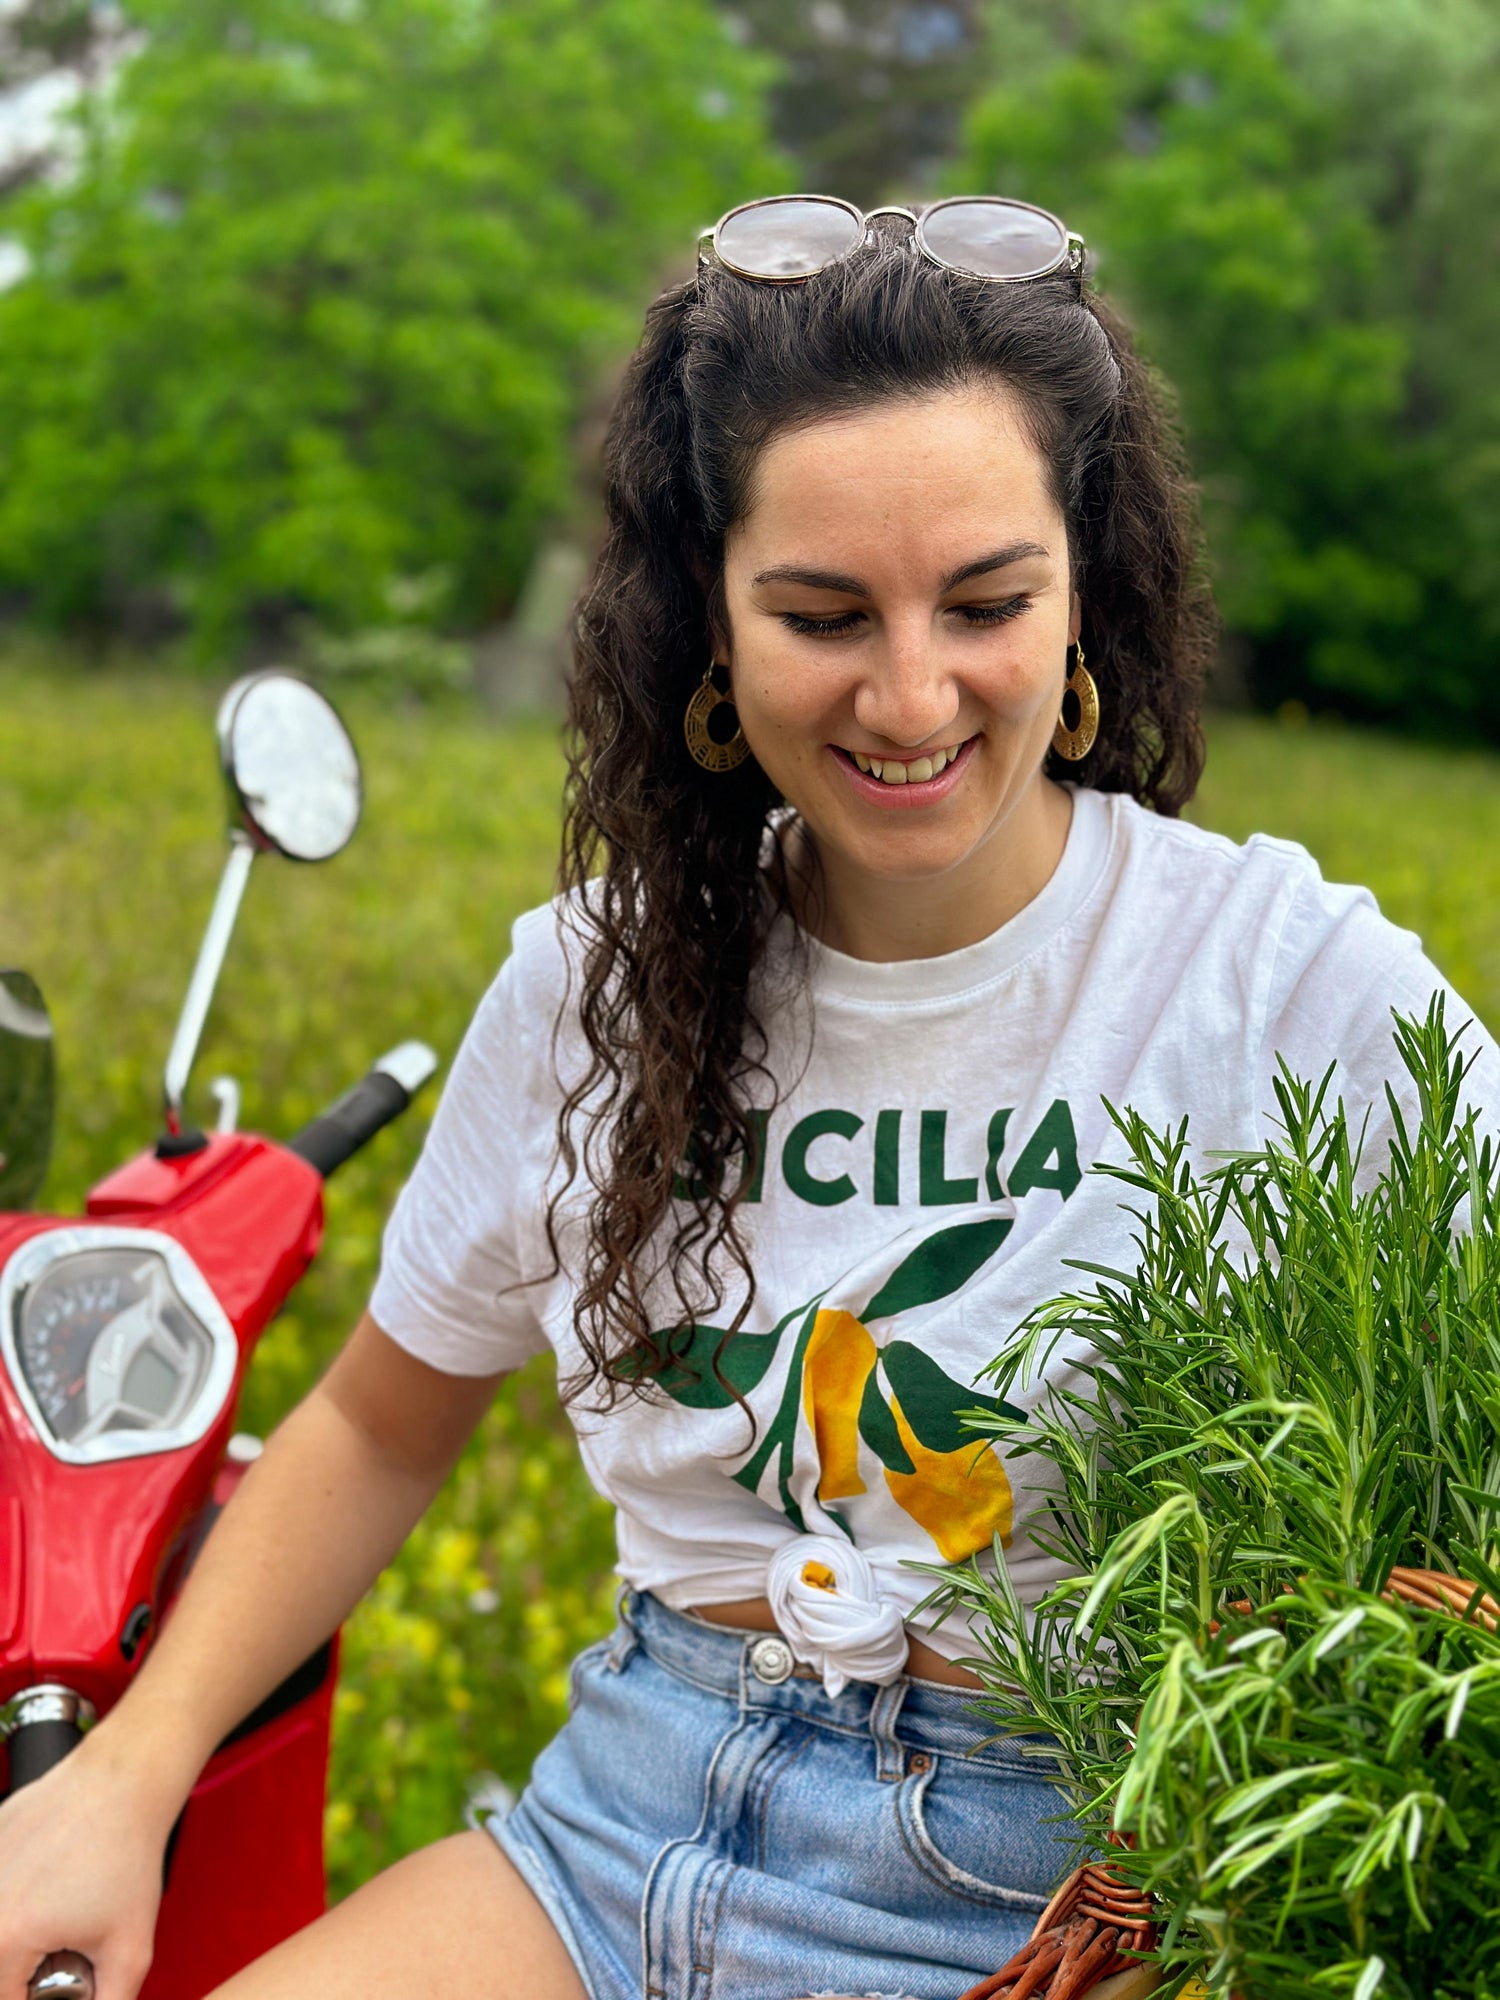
[(903, 854)]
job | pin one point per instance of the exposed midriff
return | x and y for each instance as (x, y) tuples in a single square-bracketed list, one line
[(753, 1614)]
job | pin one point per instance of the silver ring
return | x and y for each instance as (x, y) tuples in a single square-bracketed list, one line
[(49, 1701)]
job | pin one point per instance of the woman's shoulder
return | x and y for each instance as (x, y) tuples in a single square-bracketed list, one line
[(1261, 910), (1316, 962), (1184, 845), (537, 985), (1266, 888), (547, 940)]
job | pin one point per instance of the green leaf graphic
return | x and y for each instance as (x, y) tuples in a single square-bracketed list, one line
[(942, 1263), (930, 1400), (878, 1428), (688, 1374), (780, 1440)]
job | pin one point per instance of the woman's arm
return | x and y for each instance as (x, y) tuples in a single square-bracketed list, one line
[(337, 1490), (332, 1498)]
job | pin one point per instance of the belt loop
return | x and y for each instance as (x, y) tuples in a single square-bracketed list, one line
[(890, 1755), (626, 1636)]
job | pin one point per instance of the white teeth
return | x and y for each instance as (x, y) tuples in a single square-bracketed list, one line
[(917, 772)]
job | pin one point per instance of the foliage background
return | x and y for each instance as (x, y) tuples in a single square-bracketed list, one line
[(1298, 206), (324, 295), (313, 313), (109, 807)]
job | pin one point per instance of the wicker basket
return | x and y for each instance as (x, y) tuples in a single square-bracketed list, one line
[(1084, 1943), (1081, 1944)]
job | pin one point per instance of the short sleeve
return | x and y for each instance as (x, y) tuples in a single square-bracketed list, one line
[(450, 1288), (1342, 973)]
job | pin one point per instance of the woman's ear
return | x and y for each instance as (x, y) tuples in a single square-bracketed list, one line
[(1075, 618), (713, 600), (713, 589)]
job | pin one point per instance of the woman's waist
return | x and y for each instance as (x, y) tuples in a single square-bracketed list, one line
[(754, 1669), (754, 1614)]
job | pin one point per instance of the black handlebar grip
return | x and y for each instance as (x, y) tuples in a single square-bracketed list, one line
[(36, 1746), (352, 1122), (361, 1112)]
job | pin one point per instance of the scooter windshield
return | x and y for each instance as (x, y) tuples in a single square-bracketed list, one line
[(26, 1089)]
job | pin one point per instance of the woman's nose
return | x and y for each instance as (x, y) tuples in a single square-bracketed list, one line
[(907, 696)]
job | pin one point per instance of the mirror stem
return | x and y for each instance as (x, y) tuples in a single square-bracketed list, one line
[(206, 974)]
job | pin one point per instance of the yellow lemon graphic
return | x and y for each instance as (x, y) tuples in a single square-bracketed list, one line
[(840, 1355), (962, 1498)]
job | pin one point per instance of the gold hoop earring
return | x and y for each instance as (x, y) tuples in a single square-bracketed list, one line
[(1078, 724), (715, 740)]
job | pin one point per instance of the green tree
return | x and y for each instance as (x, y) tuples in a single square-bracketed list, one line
[(65, 44), (307, 330), (1296, 205), (870, 92)]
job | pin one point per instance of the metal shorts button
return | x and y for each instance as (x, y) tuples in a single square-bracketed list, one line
[(771, 1661)]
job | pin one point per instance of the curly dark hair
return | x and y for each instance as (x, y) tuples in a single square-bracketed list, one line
[(675, 923)]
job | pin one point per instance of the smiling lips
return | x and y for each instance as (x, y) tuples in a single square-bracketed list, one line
[(915, 780)]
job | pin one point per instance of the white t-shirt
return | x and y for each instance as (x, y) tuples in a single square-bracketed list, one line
[(925, 1176)]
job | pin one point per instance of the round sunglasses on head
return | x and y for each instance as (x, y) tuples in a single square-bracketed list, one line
[(784, 238)]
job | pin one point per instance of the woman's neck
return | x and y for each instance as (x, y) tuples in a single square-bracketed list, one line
[(886, 920)]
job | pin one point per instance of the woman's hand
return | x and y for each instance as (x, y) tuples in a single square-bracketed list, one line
[(80, 1870)]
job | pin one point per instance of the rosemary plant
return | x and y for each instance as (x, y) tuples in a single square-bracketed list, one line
[(1297, 1390)]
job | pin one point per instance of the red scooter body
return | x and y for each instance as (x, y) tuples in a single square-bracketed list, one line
[(84, 1547), (124, 1339)]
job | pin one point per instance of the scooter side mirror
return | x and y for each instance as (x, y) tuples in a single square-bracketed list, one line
[(27, 1089), (291, 768), (294, 782)]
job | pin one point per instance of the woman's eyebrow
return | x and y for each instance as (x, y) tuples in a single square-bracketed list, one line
[(815, 579), (853, 586), (996, 559)]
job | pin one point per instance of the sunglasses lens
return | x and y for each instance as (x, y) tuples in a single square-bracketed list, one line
[(789, 237), (993, 239)]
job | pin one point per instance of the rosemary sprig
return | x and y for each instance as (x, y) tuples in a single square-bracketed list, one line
[(1296, 1390)]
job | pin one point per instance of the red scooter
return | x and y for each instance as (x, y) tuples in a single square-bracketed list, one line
[(124, 1339)]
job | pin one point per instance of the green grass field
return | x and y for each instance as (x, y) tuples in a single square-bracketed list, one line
[(110, 828)]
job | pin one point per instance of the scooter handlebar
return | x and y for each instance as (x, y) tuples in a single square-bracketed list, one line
[(378, 1097), (66, 1975), (43, 1726)]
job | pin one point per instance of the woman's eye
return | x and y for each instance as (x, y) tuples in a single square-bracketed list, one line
[(845, 621), (992, 614), (821, 628)]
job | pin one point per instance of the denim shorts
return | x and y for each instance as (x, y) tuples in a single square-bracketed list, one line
[(699, 1831)]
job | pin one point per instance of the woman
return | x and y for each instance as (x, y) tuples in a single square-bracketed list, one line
[(885, 702)]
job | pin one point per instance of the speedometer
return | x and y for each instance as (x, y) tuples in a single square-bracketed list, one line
[(114, 1341)]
